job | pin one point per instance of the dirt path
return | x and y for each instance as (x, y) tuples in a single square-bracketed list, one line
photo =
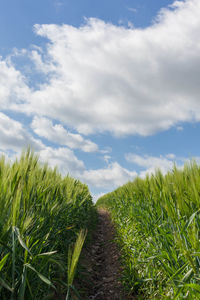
[(101, 260)]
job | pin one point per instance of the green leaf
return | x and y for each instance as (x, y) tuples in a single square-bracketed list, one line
[(194, 286), (3, 261), (42, 277), (177, 272), (47, 253), (5, 285), (21, 241), (187, 275), (73, 256), (190, 220), (23, 284)]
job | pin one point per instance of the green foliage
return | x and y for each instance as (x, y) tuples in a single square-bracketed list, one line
[(41, 214), (158, 225), (73, 257)]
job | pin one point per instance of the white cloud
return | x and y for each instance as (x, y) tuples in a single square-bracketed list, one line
[(107, 158), (97, 196), (58, 134), (152, 163), (106, 179), (125, 81), (176, 4), (179, 128), (109, 178), (58, 5), (106, 150), (102, 77), (64, 159), (13, 87), (13, 135), (132, 9), (171, 156)]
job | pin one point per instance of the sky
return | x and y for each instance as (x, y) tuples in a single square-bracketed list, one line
[(104, 90)]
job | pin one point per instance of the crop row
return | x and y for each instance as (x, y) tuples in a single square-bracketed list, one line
[(41, 214), (158, 225)]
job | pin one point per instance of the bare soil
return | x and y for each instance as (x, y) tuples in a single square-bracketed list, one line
[(101, 272)]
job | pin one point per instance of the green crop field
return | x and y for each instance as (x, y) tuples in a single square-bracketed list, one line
[(45, 219), (158, 227), (42, 215)]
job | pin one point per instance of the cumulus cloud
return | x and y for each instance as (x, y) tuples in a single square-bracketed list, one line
[(64, 159), (106, 179), (152, 163), (103, 77), (13, 86), (122, 80), (109, 178), (44, 127), (13, 135)]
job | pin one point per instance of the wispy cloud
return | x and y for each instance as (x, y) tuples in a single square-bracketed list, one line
[(132, 9), (58, 5)]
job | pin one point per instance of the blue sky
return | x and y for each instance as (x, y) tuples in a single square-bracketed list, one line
[(104, 90)]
